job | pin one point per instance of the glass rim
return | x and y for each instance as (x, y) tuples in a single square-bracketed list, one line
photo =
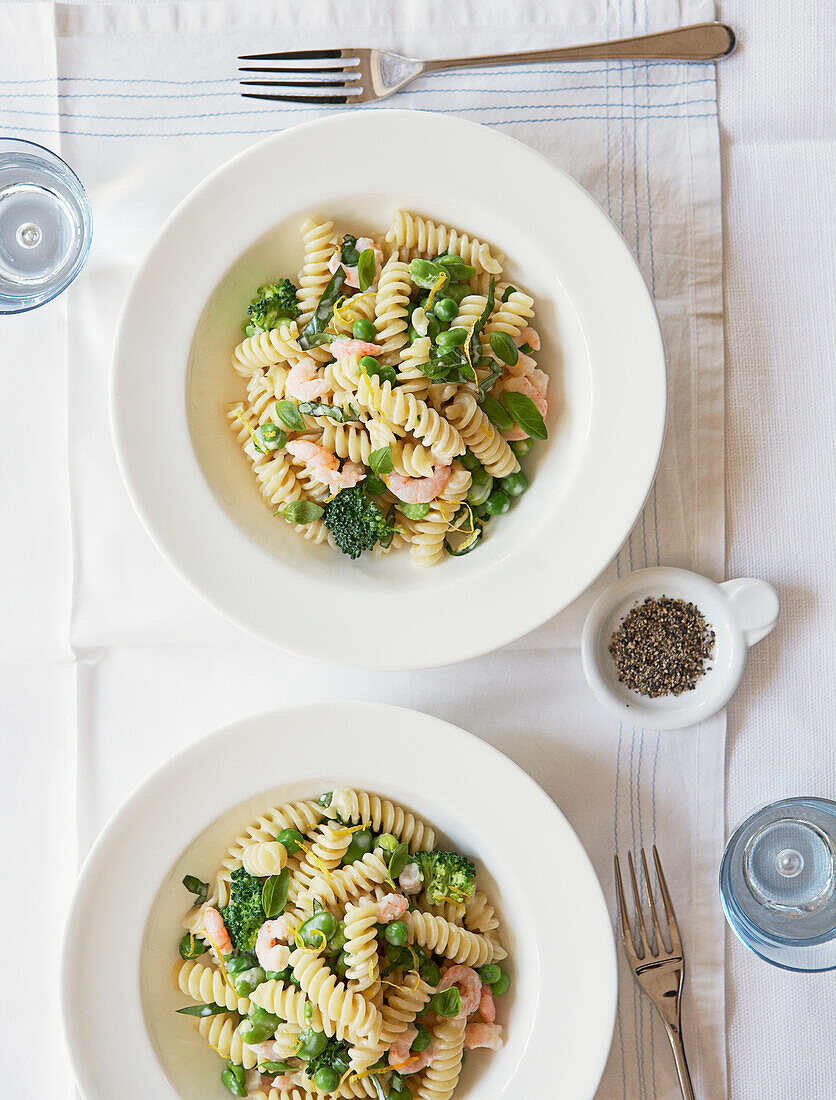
[(26, 305)]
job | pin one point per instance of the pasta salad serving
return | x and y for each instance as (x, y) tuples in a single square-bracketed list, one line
[(391, 391), (339, 953)]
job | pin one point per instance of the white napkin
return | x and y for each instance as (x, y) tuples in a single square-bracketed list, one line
[(142, 101)]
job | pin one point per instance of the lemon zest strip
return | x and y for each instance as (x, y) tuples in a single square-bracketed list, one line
[(437, 285)]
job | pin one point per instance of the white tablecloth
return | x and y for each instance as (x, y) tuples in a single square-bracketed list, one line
[(94, 718)]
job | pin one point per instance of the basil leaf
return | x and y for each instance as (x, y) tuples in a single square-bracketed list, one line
[(324, 310), (413, 511), (504, 348), (448, 365), (301, 511), (509, 290), (526, 414), (397, 861), (488, 381), (276, 1068), (366, 269), (446, 1003), (497, 414), (325, 799), (425, 273), (198, 888), (316, 408), (373, 485), (348, 250), (380, 461), (526, 349), (289, 415), (203, 1010), (475, 342), (274, 893)]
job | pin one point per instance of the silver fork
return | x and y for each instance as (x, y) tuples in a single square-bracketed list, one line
[(660, 972), (363, 75)]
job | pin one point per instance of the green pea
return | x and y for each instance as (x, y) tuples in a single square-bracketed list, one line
[(259, 1026), (364, 330), (446, 309), (369, 364), (338, 941), (317, 930), (191, 947), (480, 487), (326, 1078), (504, 348), (240, 963), (433, 328), (311, 1044), (341, 965), (422, 1039), (497, 503), (387, 842), (514, 484), (452, 338), (470, 461), (500, 986), (396, 933), (233, 1078), (430, 973), (291, 840), (248, 980), (361, 844), (411, 335), (489, 973), (457, 291), (521, 447)]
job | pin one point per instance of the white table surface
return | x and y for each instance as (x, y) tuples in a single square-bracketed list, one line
[(779, 157)]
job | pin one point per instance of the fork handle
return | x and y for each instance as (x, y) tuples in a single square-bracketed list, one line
[(700, 42), (678, 1047)]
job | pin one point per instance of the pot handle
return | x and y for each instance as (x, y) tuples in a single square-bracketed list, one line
[(755, 606)]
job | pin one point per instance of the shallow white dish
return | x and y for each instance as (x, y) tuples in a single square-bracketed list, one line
[(740, 612), (116, 974), (193, 489)]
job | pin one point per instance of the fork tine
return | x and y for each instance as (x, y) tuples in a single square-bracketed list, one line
[(673, 927), (298, 98), (637, 898), (626, 934), (660, 943), (291, 84), (290, 55), (303, 70)]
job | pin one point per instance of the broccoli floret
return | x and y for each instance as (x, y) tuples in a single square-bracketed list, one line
[(244, 915), (356, 522), (447, 876), (272, 305), (334, 1055)]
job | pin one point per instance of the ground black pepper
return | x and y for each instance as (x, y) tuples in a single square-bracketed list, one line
[(661, 647)]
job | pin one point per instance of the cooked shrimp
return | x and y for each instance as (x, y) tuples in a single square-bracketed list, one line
[(391, 907), (271, 947), (529, 336), (284, 1081), (341, 349), (253, 1081), (303, 382), (265, 1052), (410, 880), (325, 466), (403, 1059), (351, 272), (523, 384), (469, 985), (487, 1005), (525, 367), (213, 922), (418, 490), (478, 1035)]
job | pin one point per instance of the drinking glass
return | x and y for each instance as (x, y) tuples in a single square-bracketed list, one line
[(45, 225), (778, 883)]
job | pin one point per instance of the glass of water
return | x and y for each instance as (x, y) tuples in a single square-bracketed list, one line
[(45, 225), (778, 883)]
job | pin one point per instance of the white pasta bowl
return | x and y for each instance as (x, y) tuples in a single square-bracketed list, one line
[(172, 382), (120, 947)]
